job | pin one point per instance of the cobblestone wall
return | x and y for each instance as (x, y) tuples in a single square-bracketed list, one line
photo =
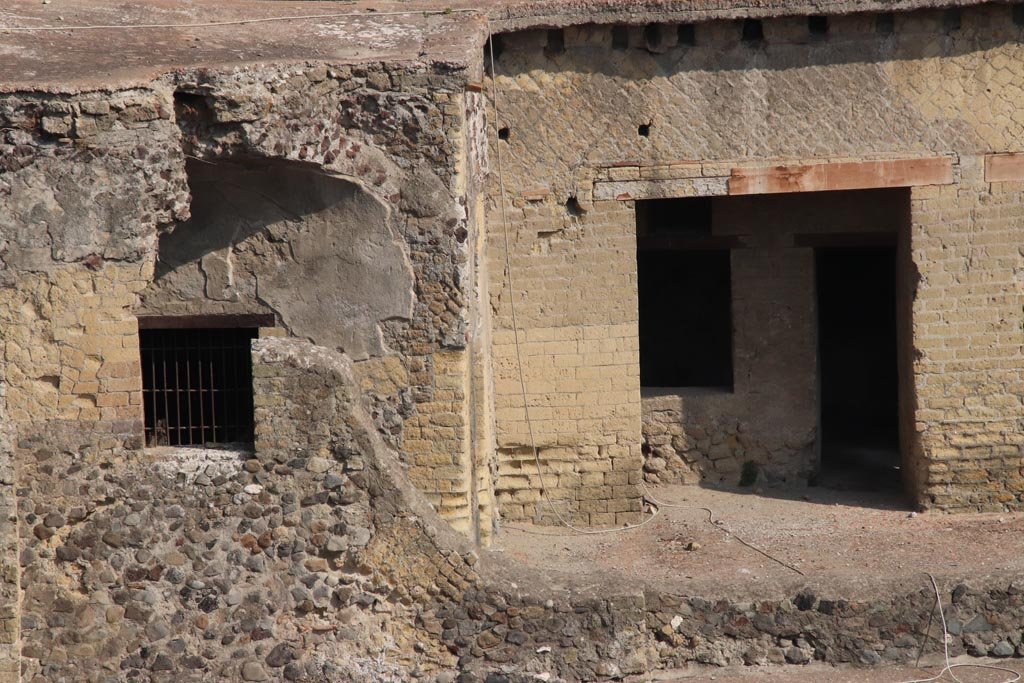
[(10, 649), (243, 566), (315, 559)]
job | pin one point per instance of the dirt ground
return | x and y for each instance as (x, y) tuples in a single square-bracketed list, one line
[(828, 674), (853, 545)]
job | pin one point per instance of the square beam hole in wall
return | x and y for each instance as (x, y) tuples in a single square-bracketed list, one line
[(684, 280), (620, 37), (752, 31), (197, 384), (686, 34), (885, 23), (817, 26)]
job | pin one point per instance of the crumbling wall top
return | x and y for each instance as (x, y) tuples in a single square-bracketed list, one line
[(78, 45)]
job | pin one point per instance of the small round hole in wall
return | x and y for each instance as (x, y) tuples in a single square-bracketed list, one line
[(503, 133), (572, 206), (644, 130)]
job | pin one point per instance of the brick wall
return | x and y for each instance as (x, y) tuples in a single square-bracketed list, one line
[(969, 341), (578, 344), (673, 121)]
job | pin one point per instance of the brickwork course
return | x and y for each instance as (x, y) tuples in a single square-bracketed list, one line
[(365, 182)]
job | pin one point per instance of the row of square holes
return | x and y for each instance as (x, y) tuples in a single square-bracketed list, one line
[(752, 30)]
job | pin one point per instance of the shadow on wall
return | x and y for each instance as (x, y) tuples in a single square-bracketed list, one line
[(317, 250), (784, 42)]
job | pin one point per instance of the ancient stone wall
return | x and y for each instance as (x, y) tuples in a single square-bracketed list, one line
[(247, 566), (481, 379), (591, 124), (10, 596), (87, 182), (262, 233), (400, 136), (91, 182), (589, 453), (366, 156), (313, 558)]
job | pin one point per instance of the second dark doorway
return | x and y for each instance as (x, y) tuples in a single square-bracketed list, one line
[(857, 341)]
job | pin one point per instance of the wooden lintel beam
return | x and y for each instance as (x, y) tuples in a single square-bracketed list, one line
[(841, 175), (1001, 168), (206, 321)]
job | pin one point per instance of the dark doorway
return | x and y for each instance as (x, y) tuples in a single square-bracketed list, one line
[(857, 342)]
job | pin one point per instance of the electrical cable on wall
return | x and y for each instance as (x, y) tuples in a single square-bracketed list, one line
[(949, 666), (515, 325)]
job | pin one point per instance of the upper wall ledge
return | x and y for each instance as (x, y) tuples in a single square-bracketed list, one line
[(139, 42)]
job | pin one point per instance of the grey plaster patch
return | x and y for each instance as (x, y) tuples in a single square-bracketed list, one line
[(355, 271), (318, 250)]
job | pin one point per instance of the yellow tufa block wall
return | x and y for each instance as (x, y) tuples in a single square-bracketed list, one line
[(575, 291), (969, 338), (436, 440), (579, 113), (70, 375), (71, 350)]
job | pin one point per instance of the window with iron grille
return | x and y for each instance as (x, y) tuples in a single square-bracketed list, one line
[(197, 385)]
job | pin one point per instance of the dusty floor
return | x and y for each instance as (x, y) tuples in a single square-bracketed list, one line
[(829, 674), (847, 544)]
